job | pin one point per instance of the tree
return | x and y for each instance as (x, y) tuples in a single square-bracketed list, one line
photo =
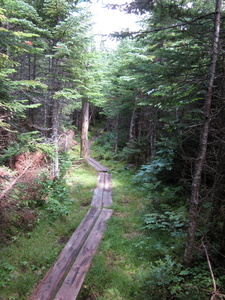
[(176, 37), (14, 41), (56, 52), (194, 201), (84, 130)]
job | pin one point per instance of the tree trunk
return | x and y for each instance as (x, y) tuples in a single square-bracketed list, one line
[(196, 181), (116, 128), (132, 124), (152, 134), (55, 134), (84, 130)]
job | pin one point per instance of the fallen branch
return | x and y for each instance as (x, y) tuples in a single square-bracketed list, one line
[(15, 180), (215, 294)]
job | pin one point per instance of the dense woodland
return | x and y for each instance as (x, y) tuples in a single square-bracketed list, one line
[(157, 101)]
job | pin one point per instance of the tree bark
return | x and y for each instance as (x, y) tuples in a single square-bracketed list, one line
[(152, 134), (132, 124), (84, 130), (116, 128), (55, 134), (196, 181)]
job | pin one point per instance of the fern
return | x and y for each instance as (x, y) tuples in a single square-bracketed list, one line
[(172, 221)]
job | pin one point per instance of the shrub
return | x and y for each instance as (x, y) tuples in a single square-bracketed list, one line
[(167, 279)]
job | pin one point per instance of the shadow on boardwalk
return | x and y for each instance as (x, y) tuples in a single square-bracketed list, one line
[(64, 279)]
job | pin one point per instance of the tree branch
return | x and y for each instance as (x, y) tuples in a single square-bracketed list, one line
[(15, 180), (215, 293), (139, 33)]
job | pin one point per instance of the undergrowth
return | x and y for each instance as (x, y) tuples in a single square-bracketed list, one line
[(140, 256), (28, 254)]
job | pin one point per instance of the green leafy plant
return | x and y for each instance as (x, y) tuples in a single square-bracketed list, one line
[(6, 273), (168, 279), (169, 220), (57, 195)]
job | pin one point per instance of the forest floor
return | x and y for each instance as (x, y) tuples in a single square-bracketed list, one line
[(132, 262), (29, 255)]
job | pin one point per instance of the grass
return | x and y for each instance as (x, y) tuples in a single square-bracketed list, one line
[(27, 258), (129, 264), (118, 261), (113, 272)]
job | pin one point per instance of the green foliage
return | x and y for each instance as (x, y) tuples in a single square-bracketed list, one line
[(6, 273), (65, 162), (57, 198), (148, 177), (162, 279), (55, 208), (167, 279), (105, 144), (170, 220), (56, 9), (56, 219), (26, 142), (161, 76)]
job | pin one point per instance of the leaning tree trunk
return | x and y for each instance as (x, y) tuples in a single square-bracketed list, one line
[(84, 130), (196, 181)]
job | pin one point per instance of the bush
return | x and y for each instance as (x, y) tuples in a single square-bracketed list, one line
[(167, 279), (170, 220)]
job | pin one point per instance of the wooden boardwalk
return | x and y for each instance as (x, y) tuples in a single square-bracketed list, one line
[(97, 166), (103, 193), (64, 279)]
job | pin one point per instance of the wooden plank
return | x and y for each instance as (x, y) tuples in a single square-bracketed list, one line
[(107, 199), (101, 180), (97, 198), (98, 192), (74, 279), (49, 284), (97, 166), (102, 196), (107, 193)]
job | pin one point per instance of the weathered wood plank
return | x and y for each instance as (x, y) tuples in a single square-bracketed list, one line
[(98, 192), (74, 279), (107, 194), (97, 166), (49, 284), (97, 198), (102, 196), (101, 180), (107, 199)]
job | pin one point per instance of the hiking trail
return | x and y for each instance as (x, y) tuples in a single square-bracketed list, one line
[(64, 279)]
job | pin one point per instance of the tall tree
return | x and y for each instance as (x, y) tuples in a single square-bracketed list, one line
[(194, 200), (177, 38)]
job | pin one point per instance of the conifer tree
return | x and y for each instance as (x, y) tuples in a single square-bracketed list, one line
[(177, 40), (51, 61)]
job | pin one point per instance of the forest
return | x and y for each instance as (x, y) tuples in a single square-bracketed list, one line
[(153, 109)]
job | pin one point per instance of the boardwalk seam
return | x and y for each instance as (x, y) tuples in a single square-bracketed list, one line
[(75, 257)]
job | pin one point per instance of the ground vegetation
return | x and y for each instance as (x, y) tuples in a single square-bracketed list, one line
[(153, 109)]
